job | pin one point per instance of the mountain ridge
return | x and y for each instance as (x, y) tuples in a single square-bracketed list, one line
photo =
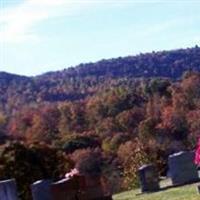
[(80, 66), (84, 80)]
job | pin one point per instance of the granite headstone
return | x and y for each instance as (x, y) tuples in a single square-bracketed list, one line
[(65, 189), (149, 179), (41, 190), (8, 190), (182, 169)]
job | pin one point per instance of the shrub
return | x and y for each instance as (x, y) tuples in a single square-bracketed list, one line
[(133, 155), (28, 164), (88, 161)]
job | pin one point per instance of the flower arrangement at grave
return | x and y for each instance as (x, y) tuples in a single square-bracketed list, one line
[(197, 154)]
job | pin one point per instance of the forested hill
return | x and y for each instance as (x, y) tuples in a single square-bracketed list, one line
[(109, 118), (84, 80), (156, 64)]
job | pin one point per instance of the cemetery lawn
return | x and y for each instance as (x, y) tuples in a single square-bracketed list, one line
[(187, 192)]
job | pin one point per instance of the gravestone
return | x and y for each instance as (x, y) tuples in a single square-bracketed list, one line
[(8, 190), (73, 188), (182, 168), (41, 190), (65, 189), (149, 179), (90, 188)]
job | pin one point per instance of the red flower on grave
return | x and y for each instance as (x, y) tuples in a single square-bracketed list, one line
[(197, 154)]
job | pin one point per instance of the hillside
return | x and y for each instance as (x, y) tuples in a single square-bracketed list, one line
[(84, 80), (106, 118), (156, 64)]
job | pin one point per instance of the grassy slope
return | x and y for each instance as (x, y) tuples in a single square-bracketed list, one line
[(188, 192)]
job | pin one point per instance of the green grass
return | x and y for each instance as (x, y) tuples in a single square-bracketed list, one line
[(188, 192)]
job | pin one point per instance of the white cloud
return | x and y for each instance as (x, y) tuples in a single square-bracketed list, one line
[(17, 23)]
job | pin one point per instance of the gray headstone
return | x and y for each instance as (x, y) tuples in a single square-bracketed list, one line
[(182, 168), (41, 190), (65, 189), (149, 179), (8, 190)]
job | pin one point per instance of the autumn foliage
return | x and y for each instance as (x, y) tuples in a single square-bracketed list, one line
[(115, 114)]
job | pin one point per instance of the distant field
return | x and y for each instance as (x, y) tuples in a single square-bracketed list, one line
[(188, 192)]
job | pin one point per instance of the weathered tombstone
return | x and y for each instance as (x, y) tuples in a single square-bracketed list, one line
[(8, 190), (65, 189), (182, 168), (41, 190), (149, 179)]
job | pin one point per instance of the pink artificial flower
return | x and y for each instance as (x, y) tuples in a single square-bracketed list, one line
[(72, 173), (197, 154)]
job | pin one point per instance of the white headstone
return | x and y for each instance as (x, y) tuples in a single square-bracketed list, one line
[(8, 190)]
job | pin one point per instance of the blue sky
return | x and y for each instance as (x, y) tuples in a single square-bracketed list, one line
[(37, 36)]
